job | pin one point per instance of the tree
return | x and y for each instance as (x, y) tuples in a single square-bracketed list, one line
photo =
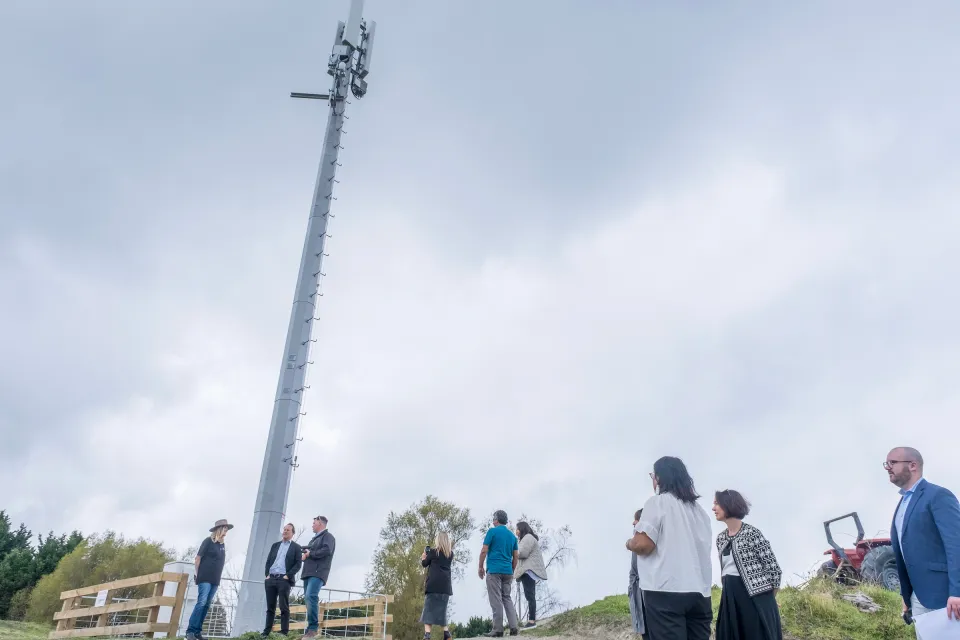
[(12, 540), (396, 566), (16, 573), (98, 559), (22, 565), (557, 551)]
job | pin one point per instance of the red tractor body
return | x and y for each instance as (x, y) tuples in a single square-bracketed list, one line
[(870, 560)]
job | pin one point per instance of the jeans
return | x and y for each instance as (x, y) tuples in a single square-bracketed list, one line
[(530, 593), (311, 593), (205, 594)]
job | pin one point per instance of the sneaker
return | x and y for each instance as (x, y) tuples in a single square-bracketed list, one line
[(531, 624), (191, 636), (514, 632), (493, 634)]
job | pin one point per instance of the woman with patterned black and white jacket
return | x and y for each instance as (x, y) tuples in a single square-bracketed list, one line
[(750, 574)]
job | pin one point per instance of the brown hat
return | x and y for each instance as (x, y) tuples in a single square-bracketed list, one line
[(221, 523)]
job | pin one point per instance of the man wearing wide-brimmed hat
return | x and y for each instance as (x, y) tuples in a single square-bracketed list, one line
[(209, 562)]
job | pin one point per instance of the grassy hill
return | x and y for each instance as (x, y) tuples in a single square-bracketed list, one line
[(23, 630), (815, 612)]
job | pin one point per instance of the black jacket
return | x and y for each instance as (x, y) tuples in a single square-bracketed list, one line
[(438, 573), (294, 560), (321, 548)]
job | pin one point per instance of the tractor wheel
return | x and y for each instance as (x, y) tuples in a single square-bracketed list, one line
[(828, 569), (880, 567)]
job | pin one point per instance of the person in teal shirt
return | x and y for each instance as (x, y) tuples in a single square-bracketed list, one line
[(501, 553)]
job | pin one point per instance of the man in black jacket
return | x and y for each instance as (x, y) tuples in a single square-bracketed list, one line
[(283, 562), (317, 558)]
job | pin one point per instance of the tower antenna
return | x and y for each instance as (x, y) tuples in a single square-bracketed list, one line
[(348, 65)]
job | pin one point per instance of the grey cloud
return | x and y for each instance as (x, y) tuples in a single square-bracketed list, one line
[(568, 240)]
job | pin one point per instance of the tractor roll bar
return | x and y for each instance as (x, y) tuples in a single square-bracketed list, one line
[(833, 543)]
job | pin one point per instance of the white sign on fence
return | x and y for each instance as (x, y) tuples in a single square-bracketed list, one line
[(101, 598)]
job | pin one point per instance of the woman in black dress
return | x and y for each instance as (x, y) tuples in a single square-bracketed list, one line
[(439, 587), (750, 574)]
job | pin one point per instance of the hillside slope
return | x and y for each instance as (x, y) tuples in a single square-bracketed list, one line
[(23, 630), (815, 612)]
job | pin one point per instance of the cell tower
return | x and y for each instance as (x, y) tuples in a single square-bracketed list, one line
[(348, 64)]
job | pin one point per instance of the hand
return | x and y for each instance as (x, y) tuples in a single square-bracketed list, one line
[(423, 556), (285, 578), (482, 573), (953, 608), (906, 608), (629, 540), (306, 554)]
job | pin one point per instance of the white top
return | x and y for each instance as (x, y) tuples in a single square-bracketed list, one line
[(728, 566), (681, 563)]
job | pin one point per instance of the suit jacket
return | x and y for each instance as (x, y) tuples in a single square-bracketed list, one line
[(294, 560), (929, 563), (321, 548)]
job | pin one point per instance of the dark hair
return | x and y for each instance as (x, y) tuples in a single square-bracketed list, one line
[(637, 515), (526, 530), (292, 528), (321, 519), (500, 516), (732, 504), (672, 477)]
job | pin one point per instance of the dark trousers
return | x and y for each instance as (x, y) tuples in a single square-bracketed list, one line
[(677, 616), (530, 593), (278, 591)]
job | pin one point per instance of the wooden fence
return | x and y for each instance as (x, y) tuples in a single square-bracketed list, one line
[(362, 618), (104, 610)]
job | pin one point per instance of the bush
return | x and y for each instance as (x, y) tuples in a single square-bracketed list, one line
[(97, 560), (19, 604)]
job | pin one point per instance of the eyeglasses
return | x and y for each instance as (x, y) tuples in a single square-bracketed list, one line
[(888, 464)]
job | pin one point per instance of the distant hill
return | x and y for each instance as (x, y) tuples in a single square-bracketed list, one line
[(815, 612)]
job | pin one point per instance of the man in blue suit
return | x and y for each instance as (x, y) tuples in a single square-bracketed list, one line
[(925, 536)]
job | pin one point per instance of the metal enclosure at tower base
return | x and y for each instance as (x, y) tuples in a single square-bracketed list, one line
[(348, 66)]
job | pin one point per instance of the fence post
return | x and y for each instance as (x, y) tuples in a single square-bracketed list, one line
[(67, 623), (177, 612)]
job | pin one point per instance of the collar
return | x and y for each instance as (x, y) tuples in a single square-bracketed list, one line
[(283, 542), (909, 492)]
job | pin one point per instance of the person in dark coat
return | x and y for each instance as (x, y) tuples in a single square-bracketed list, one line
[(283, 563), (211, 556), (750, 575), (317, 559), (439, 586)]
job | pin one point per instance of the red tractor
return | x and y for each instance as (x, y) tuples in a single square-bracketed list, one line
[(869, 560)]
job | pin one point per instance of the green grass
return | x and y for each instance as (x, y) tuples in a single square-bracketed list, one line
[(10, 630), (814, 613)]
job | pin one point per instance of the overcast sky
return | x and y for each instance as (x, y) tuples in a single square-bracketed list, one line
[(570, 238)]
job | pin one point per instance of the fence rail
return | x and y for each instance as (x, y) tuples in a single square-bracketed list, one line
[(361, 618), (104, 617)]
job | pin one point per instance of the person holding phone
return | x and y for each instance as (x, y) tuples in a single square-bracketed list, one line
[(439, 585)]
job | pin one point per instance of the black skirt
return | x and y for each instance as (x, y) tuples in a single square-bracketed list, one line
[(744, 618), (435, 609)]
